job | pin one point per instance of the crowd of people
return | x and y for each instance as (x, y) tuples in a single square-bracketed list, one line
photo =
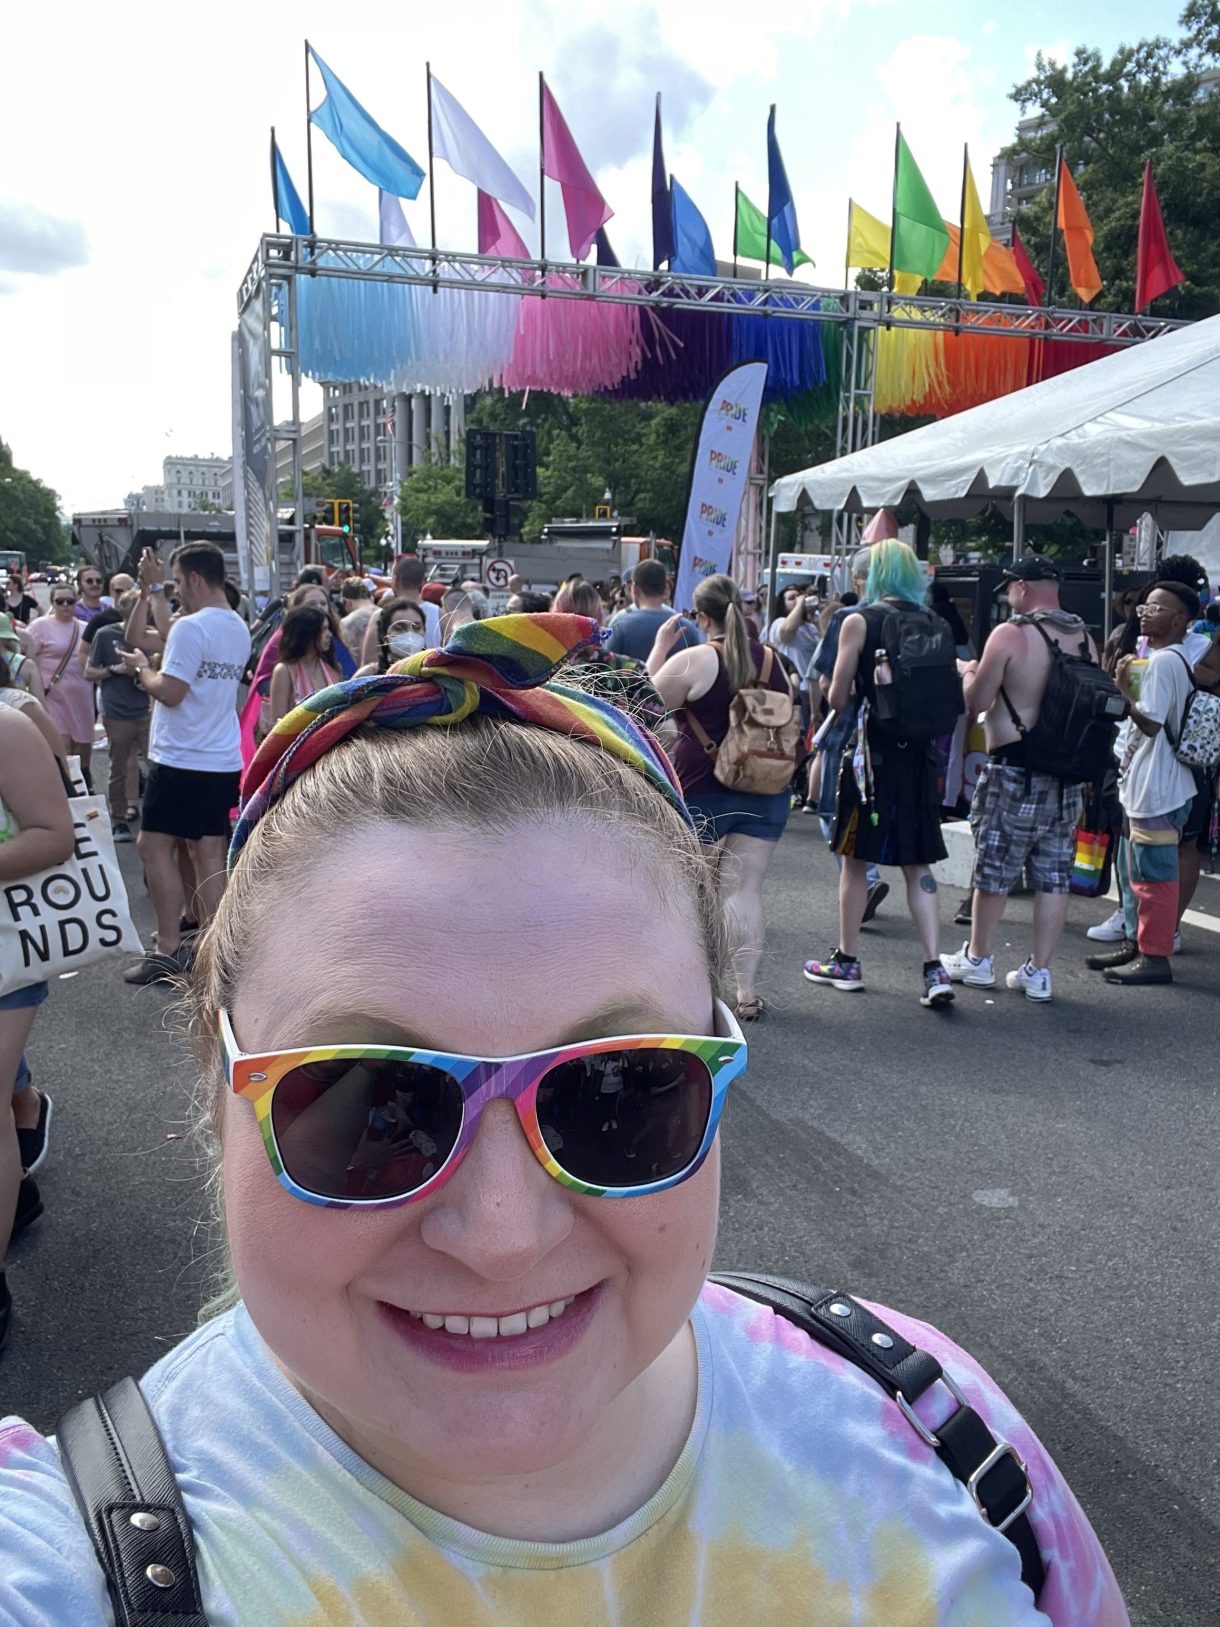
[(839, 705), (454, 1374)]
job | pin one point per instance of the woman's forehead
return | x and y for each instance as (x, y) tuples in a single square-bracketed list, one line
[(484, 942)]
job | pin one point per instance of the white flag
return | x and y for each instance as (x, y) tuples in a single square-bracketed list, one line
[(458, 140), (394, 233)]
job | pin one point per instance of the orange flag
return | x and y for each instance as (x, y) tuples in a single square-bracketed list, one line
[(1077, 232), (1000, 273)]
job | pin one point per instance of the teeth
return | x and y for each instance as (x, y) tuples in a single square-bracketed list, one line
[(492, 1327)]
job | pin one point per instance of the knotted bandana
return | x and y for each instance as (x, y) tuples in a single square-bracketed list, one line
[(501, 668)]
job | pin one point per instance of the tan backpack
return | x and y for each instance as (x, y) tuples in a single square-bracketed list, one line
[(758, 754)]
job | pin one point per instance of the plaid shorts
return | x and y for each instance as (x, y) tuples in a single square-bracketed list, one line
[(1023, 820)]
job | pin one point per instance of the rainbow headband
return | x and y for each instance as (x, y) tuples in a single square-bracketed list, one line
[(500, 668)]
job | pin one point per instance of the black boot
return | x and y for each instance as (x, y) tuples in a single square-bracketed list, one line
[(1126, 952), (1143, 969)]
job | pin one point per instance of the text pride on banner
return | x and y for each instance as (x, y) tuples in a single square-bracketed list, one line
[(719, 473)]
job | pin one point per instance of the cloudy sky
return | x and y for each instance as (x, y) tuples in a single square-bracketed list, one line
[(135, 183)]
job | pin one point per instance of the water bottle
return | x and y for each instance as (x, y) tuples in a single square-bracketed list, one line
[(882, 673)]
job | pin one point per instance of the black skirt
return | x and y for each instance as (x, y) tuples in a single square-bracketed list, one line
[(898, 820)]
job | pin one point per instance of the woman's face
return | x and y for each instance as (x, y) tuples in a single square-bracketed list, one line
[(317, 597), (63, 603), (325, 638), (328, 1289), (407, 620)]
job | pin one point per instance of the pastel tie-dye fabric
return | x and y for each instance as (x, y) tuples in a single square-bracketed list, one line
[(801, 1496)]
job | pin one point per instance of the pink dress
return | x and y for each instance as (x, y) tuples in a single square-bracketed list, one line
[(70, 699)]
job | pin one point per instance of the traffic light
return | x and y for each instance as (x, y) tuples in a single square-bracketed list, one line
[(520, 464), (481, 459), (345, 516)]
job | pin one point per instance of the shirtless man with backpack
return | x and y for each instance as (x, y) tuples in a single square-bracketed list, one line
[(1050, 719)]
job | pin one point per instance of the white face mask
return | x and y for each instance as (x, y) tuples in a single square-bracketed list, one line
[(403, 644)]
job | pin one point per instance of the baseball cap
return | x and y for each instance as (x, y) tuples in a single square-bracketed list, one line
[(1033, 568)]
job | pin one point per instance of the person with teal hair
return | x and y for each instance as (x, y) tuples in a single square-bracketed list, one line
[(887, 805), (895, 572)]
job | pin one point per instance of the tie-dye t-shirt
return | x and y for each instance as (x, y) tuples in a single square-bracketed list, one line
[(802, 1496)]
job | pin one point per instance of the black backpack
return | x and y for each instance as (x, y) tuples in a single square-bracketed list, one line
[(924, 696), (1073, 737), (128, 1497)]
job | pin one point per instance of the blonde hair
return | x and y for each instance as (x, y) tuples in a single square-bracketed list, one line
[(579, 599), (482, 775), (719, 598)]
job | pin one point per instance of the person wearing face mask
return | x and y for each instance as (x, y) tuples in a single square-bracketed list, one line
[(400, 633), (307, 661)]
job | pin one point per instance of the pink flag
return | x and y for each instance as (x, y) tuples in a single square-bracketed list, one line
[(583, 204), (497, 234)]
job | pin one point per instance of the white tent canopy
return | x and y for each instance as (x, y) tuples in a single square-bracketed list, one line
[(1129, 433)]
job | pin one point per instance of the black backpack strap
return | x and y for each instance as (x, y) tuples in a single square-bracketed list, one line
[(990, 1470), (127, 1495)]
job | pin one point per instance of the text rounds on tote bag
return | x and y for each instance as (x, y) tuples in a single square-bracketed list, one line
[(71, 915)]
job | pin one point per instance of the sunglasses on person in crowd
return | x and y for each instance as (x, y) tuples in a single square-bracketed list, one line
[(365, 1125), (63, 601)]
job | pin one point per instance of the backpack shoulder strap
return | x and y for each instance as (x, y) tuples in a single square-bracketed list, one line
[(768, 665), (129, 1500), (990, 1470)]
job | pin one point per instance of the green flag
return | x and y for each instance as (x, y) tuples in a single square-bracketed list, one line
[(750, 236), (920, 238)]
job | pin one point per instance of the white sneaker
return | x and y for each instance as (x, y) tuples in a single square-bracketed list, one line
[(963, 968), (1034, 982), (1111, 930)]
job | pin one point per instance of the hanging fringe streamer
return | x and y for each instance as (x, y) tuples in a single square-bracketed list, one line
[(574, 347), (910, 367), (791, 349)]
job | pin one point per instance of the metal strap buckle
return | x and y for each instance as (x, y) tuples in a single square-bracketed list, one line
[(917, 1423), (984, 1468)]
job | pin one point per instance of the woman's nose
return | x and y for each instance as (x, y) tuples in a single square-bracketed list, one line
[(500, 1212)]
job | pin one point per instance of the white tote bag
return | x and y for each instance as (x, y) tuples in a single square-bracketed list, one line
[(72, 915)]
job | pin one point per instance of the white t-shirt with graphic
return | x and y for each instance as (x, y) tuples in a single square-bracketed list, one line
[(1151, 780), (209, 651)]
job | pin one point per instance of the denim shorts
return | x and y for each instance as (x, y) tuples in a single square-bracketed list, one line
[(718, 814), (22, 999)]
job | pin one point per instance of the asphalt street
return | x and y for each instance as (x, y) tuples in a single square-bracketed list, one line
[(1039, 1181)]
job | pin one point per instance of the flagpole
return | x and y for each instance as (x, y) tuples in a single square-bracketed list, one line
[(961, 224), (275, 191), (894, 210), (767, 261), (736, 213), (431, 164), (541, 169), (1050, 264), (847, 251), (308, 141)]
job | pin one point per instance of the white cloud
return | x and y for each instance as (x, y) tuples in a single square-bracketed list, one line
[(37, 243)]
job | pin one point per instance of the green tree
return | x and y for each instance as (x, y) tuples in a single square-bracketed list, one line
[(432, 501), (343, 481), (29, 513), (1146, 102)]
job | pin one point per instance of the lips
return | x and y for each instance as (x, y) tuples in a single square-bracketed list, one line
[(465, 1341)]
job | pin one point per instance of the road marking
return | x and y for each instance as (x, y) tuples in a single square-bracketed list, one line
[(996, 1197)]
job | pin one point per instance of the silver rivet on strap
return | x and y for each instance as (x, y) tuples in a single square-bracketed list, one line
[(883, 1340), (160, 1576), (144, 1521), (839, 1309)]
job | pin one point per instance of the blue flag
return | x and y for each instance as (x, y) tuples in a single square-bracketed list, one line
[(781, 212), (362, 141), (288, 205), (605, 254), (662, 210), (693, 253)]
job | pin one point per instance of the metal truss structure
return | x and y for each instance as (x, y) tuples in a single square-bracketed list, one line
[(270, 285)]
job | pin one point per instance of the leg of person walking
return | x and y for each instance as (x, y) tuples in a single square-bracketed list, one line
[(853, 896), (923, 901), (1153, 860), (743, 865), (164, 881), (123, 733), (15, 1025), (208, 856)]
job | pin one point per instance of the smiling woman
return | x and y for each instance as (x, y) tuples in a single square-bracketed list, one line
[(470, 1168)]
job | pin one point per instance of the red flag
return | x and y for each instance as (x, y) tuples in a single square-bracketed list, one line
[(1156, 270), (1035, 288), (583, 204)]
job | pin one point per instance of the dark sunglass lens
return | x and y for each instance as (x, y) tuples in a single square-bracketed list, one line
[(626, 1118), (365, 1127)]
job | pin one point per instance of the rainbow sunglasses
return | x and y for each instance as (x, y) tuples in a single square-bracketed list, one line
[(373, 1126)]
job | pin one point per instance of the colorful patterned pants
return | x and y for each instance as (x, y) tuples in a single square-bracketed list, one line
[(1147, 869)]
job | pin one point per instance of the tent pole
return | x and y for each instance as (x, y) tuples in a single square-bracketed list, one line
[(1018, 526), (772, 561), (1107, 592)]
